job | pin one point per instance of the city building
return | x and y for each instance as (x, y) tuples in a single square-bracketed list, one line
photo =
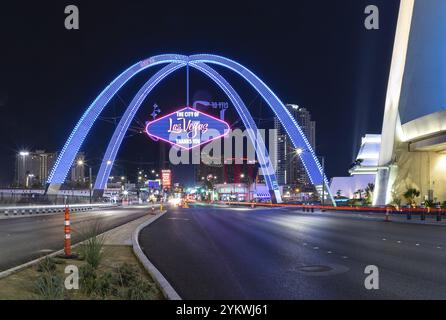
[(290, 169), (413, 146), (362, 171), (32, 168), (78, 169)]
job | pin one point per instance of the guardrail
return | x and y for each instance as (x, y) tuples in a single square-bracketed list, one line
[(48, 209)]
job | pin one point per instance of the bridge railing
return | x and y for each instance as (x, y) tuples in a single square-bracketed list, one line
[(38, 198), (14, 211)]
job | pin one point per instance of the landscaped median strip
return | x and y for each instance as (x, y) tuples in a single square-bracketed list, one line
[(164, 289), (168, 291)]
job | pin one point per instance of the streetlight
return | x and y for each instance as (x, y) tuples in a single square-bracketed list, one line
[(23, 154), (82, 163)]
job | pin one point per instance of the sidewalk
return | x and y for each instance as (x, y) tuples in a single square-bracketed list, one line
[(122, 235)]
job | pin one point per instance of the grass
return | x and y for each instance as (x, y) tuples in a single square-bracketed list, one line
[(118, 264)]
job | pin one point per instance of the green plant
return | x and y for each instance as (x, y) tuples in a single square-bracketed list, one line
[(50, 286), (443, 205), (429, 203), (47, 264), (410, 196), (127, 274), (140, 290), (87, 279), (104, 285), (91, 249)]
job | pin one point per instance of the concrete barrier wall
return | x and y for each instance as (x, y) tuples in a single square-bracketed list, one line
[(49, 209)]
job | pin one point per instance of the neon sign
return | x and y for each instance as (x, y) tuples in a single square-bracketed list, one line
[(187, 128)]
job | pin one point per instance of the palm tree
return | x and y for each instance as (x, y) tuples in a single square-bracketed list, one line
[(410, 196), (369, 192), (338, 193)]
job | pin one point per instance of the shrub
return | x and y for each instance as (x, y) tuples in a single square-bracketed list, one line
[(140, 290), (91, 249), (50, 286), (87, 279), (127, 274), (47, 264), (104, 285)]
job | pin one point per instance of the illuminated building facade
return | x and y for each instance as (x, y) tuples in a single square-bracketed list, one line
[(413, 146), (290, 170), (32, 168)]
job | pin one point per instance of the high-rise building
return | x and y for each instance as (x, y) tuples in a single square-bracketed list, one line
[(32, 168), (290, 169)]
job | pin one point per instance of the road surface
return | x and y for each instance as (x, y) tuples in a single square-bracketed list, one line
[(242, 253), (26, 238)]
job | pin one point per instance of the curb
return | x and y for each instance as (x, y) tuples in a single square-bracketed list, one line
[(167, 290), (15, 269)]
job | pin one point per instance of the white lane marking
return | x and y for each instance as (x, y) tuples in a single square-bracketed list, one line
[(384, 239), (417, 244), (344, 257), (438, 247), (305, 244), (329, 252), (398, 241), (316, 248), (178, 219)]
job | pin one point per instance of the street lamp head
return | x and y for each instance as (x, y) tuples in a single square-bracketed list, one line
[(24, 153), (109, 162), (242, 175), (80, 162), (299, 151)]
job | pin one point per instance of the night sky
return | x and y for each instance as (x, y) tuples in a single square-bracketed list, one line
[(314, 53)]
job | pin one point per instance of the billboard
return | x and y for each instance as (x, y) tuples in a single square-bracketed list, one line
[(187, 128), (166, 178)]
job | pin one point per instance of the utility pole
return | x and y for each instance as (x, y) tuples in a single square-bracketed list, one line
[(90, 181)]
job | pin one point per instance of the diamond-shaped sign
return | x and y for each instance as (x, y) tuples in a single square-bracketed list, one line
[(187, 128)]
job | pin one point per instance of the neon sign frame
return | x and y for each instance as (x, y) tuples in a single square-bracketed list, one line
[(225, 131)]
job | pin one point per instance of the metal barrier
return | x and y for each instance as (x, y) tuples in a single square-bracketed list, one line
[(35, 210)]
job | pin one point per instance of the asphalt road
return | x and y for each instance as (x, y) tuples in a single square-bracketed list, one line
[(24, 239), (240, 253)]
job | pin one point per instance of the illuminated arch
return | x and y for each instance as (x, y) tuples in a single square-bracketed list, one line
[(75, 140), (309, 158), (124, 123)]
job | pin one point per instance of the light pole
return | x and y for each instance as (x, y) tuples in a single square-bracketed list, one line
[(23, 154), (90, 183)]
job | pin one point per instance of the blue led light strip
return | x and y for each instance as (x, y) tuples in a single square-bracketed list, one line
[(248, 121), (309, 159), (124, 123), (71, 148)]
